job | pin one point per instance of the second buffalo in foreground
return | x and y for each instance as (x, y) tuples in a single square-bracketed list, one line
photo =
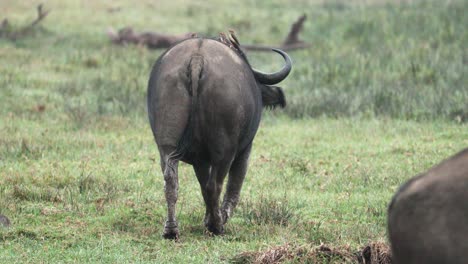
[(428, 217), (204, 106)]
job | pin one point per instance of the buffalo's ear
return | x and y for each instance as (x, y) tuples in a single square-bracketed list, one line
[(272, 96)]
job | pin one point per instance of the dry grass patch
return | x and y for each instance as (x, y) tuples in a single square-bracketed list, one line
[(373, 253)]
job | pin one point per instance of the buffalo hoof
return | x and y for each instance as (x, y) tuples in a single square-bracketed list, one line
[(171, 231), (215, 229), (214, 224)]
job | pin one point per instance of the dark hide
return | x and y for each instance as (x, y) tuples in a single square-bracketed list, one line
[(204, 107), (428, 217)]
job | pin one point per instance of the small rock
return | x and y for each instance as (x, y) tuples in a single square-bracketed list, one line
[(4, 221)]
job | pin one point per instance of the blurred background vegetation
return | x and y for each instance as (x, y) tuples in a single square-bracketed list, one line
[(399, 59)]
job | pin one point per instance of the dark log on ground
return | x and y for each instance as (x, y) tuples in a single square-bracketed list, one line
[(7, 31), (156, 40), (288, 47), (152, 40), (291, 42), (296, 28)]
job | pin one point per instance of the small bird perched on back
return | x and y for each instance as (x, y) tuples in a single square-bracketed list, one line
[(232, 42), (233, 39)]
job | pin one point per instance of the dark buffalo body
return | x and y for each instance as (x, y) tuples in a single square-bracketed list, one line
[(428, 217), (204, 105)]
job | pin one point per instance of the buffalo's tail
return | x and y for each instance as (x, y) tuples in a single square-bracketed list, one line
[(194, 72)]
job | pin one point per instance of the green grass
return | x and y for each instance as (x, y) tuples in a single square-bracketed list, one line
[(79, 173), (97, 194)]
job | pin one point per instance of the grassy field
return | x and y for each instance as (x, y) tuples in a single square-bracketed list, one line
[(381, 96)]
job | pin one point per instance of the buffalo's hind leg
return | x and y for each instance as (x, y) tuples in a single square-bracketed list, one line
[(171, 186), (214, 221), (234, 185), (202, 170)]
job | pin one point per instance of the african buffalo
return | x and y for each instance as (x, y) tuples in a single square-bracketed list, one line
[(428, 216), (204, 107)]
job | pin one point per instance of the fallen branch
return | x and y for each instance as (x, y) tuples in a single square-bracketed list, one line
[(41, 14), (288, 47), (291, 42), (7, 31), (296, 28), (156, 40), (152, 40)]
